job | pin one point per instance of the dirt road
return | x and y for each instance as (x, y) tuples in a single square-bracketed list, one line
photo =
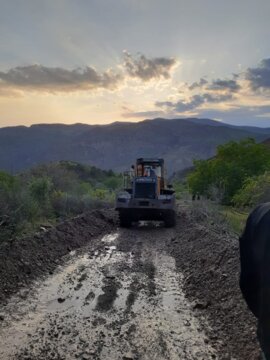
[(140, 293), (118, 298)]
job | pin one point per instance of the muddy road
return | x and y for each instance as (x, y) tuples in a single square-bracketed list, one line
[(118, 298), (142, 293)]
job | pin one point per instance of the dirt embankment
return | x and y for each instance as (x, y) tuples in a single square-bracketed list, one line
[(207, 253), (25, 259)]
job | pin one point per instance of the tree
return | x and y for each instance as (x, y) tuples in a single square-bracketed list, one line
[(228, 170), (40, 189), (255, 190)]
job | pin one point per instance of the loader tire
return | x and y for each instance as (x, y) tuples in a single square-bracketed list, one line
[(125, 220), (170, 219)]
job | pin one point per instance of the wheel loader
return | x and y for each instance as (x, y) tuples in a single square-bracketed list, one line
[(145, 195)]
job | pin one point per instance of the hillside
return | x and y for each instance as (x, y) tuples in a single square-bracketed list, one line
[(116, 145)]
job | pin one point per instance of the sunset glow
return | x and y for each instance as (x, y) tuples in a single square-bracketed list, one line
[(98, 62)]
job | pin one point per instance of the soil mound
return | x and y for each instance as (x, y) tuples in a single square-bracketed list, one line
[(208, 255), (24, 259)]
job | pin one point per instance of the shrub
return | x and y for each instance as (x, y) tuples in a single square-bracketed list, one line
[(255, 190)]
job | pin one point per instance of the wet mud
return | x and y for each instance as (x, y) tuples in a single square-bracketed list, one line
[(142, 293), (121, 299)]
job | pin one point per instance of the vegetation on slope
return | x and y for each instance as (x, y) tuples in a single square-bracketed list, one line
[(48, 192), (238, 178), (229, 177)]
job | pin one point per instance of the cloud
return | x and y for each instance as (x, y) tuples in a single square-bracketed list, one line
[(195, 102), (42, 78), (143, 114), (198, 84), (259, 77), (146, 69), (58, 79), (221, 84), (217, 85)]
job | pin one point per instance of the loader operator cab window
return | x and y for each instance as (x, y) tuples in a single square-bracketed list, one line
[(152, 171), (156, 170), (147, 171)]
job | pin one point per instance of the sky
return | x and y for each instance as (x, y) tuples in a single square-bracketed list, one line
[(100, 61)]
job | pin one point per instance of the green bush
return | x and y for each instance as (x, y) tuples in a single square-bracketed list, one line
[(255, 190), (50, 191), (225, 174)]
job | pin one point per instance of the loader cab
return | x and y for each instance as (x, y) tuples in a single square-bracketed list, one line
[(150, 167), (149, 178)]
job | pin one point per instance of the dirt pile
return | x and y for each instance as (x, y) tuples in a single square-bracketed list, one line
[(207, 254), (25, 259)]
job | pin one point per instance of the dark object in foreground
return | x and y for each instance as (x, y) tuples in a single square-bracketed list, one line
[(145, 195), (255, 271)]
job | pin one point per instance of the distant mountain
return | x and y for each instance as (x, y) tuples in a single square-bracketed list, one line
[(117, 145)]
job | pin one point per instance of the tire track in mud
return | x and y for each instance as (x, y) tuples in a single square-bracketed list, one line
[(120, 300)]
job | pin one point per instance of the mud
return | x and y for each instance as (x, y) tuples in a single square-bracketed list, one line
[(142, 293), (119, 301), (207, 254), (25, 259)]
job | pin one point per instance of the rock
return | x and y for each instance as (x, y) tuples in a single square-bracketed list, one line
[(85, 357), (2, 317), (201, 305), (128, 356), (112, 277), (23, 294), (61, 300)]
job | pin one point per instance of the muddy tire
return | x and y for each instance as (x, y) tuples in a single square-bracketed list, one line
[(170, 219), (125, 220)]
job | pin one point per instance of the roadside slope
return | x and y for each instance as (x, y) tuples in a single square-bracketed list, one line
[(25, 259), (207, 254)]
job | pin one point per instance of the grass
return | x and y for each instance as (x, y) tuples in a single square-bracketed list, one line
[(235, 218)]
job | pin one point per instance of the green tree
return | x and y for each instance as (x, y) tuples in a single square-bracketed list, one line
[(255, 190), (113, 182), (228, 170), (40, 189)]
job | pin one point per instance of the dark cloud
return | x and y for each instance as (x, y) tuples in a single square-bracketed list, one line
[(259, 77), (219, 84), (244, 115), (147, 69), (58, 79), (198, 84), (194, 102), (39, 77), (164, 104)]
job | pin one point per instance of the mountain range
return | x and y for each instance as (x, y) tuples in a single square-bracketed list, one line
[(117, 145)]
